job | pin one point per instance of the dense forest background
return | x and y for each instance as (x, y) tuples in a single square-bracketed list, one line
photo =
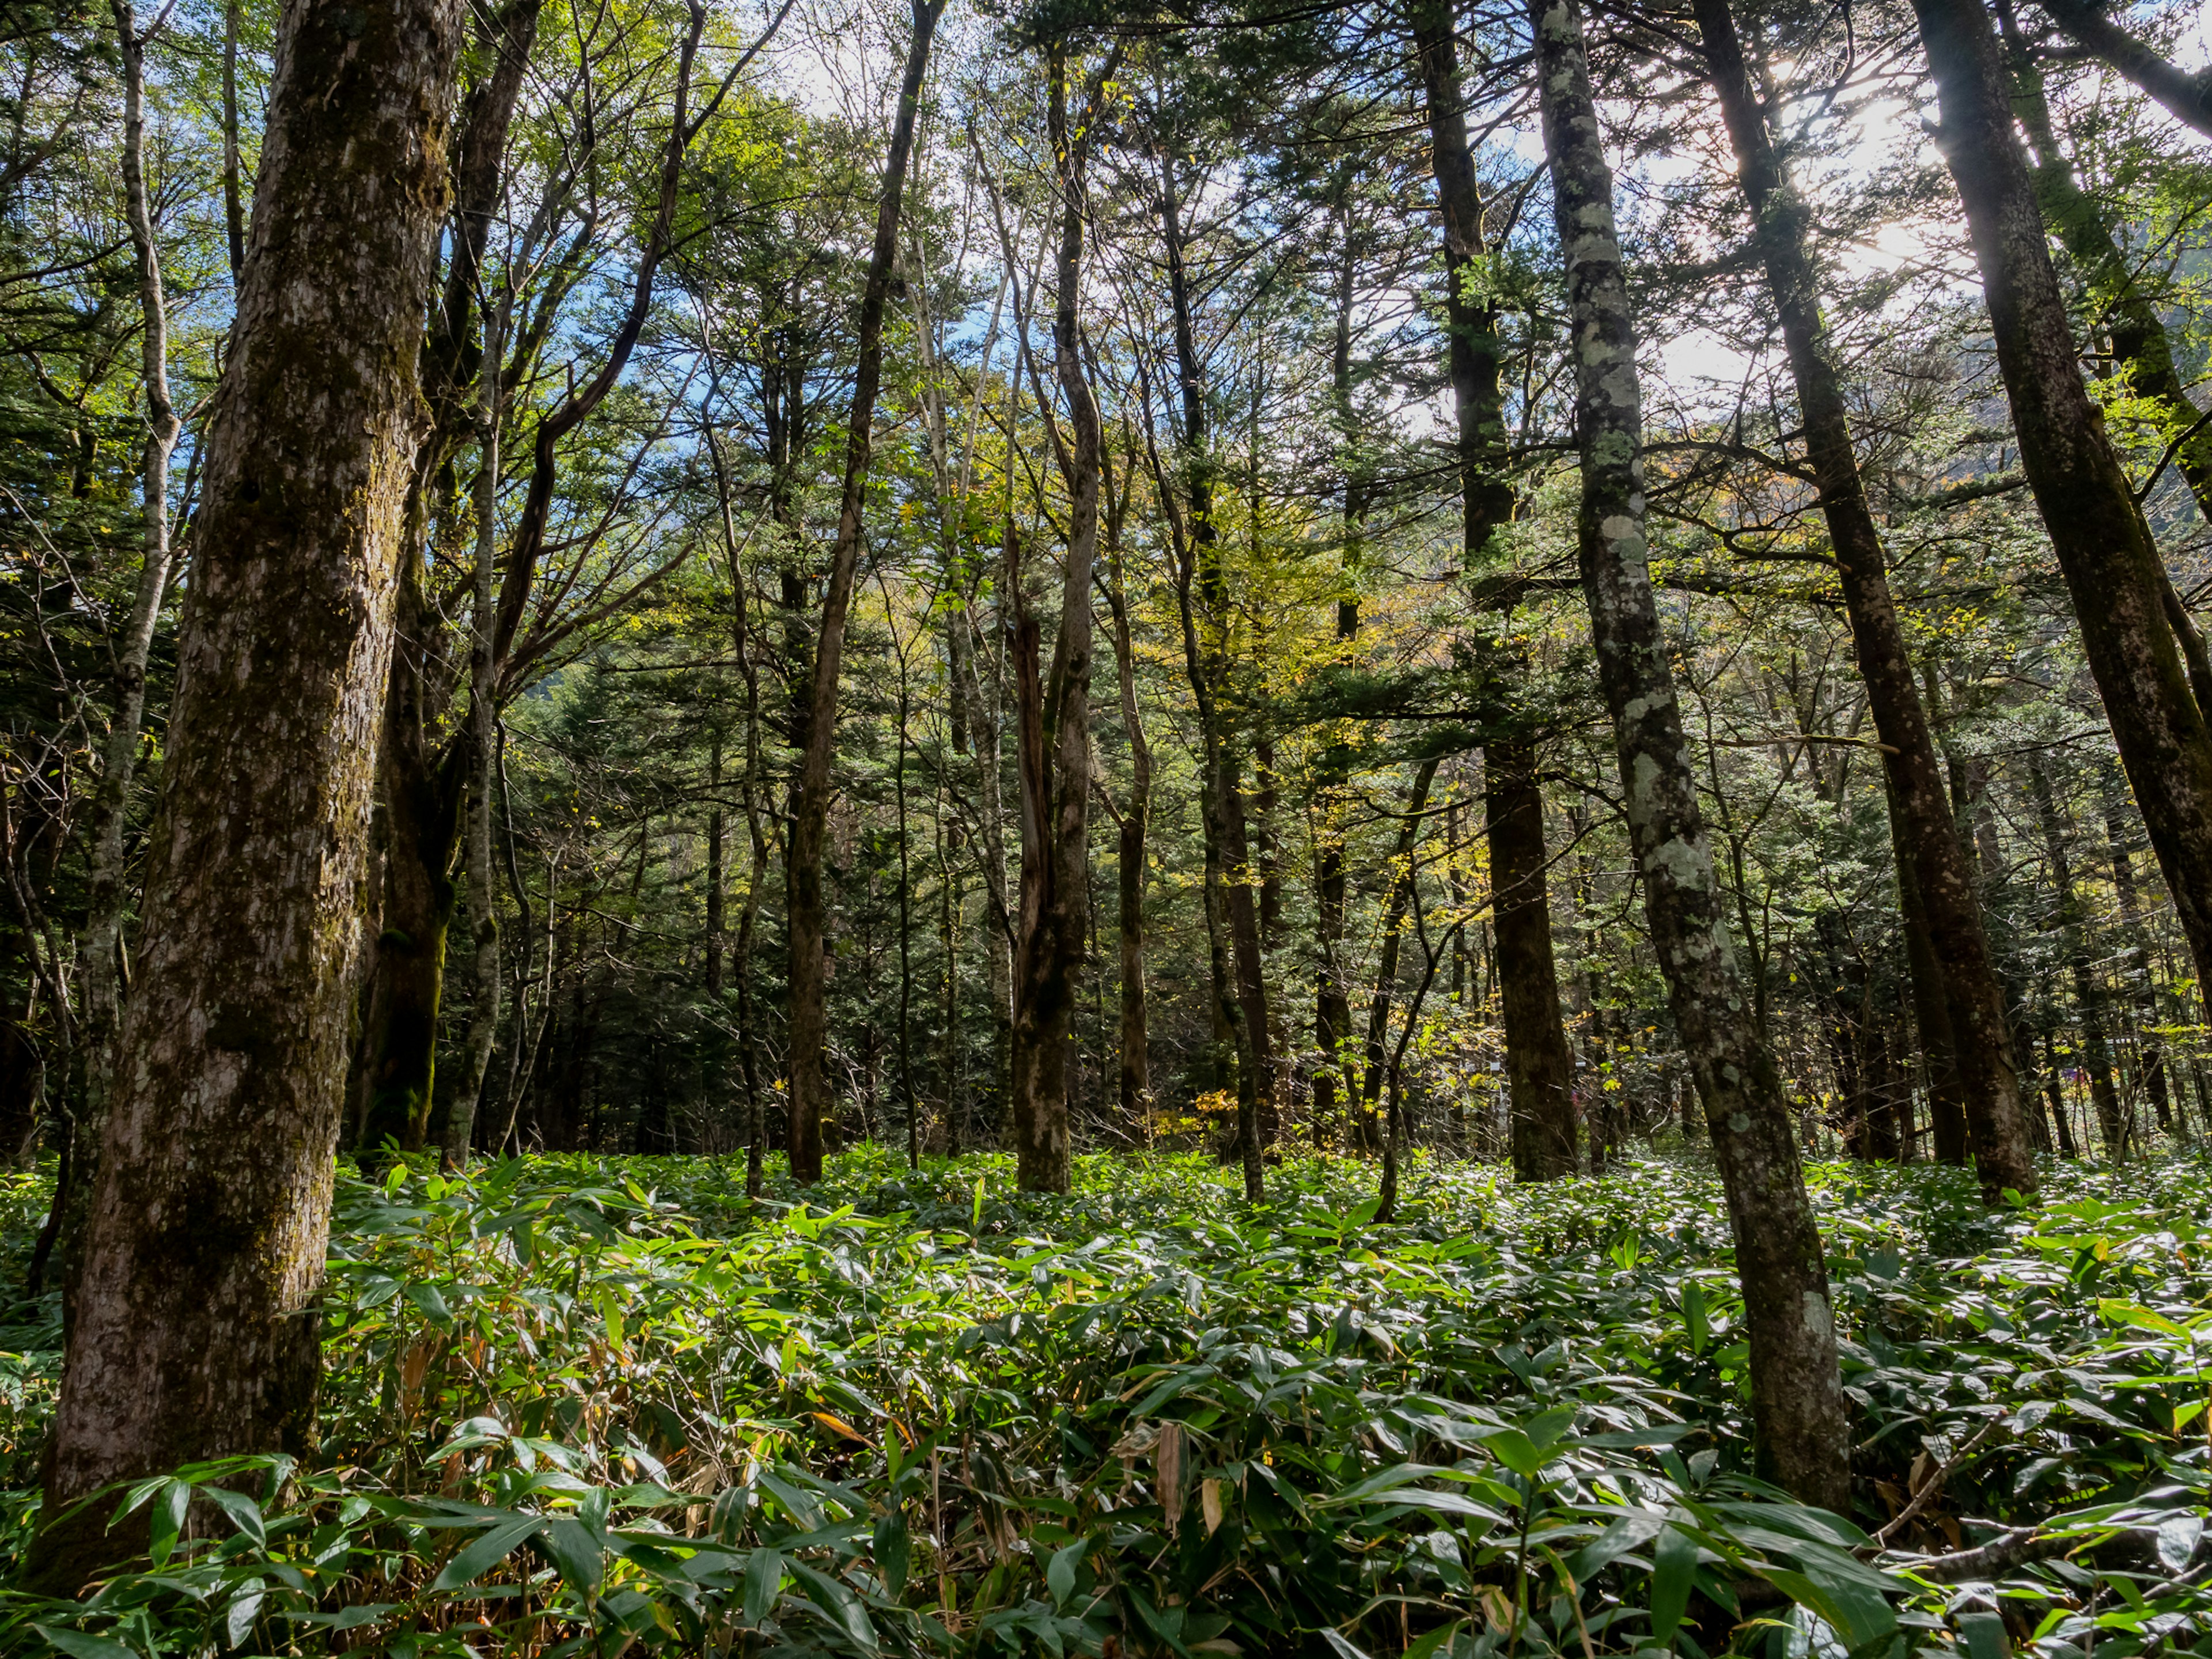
[(1265, 313)]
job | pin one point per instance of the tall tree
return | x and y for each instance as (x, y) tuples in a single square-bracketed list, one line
[(808, 919), (1979, 1043), (2112, 569), (1796, 1388), (1539, 1067), (195, 1334)]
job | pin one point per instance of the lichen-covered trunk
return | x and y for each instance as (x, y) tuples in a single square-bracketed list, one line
[(1539, 1067), (1798, 1400), (809, 825), (460, 1112), (1973, 1003), (2112, 566), (197, 1334)]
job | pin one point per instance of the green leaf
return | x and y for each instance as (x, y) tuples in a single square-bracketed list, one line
[(575, 1552), (1060, 1573), (244, 1608), (168, 1519), (763, 1583), (1693, 1317), (1673, 1567), (1985, 1633), (2178, 1537), (244, 1514), (1343, 1649), (838, 1601), (76, 1643), (499, 1542), (431, 1300), (892, 1546), (1633, 1529)]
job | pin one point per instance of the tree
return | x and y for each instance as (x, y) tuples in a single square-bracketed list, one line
[(1797, 1402), (225, 1113)]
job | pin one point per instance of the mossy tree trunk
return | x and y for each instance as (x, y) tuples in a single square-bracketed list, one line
[(1797, 1390), (197, 1334)]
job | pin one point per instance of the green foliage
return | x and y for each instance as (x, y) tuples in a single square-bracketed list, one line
[(576, 1404)]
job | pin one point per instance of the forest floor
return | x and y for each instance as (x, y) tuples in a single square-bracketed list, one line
[(582, 1405)]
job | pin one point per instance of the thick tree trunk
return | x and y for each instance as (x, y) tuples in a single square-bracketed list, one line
[(810, 1034), (1797, 1401), (1931, 1010), (2082, 964), (2112, 566), (2140, 347), (1539, 1068), (1980, 1044), (1055, 715), (196, 1333)]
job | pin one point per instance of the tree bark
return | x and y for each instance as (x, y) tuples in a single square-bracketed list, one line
[(2112, 567), (196, 1334), (1973, 1003), (1797, 1401), (1539, 1068), (809, 1083)]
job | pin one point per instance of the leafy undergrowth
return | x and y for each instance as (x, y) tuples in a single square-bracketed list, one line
[(586, 1407)]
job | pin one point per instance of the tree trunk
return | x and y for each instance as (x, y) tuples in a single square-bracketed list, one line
[(717, 899), (195, 1334), (2131, 319), (2082, 964), (2150, 1050), (2112, 566), (810, 1035), (482, 745), (1931, 1008), (1981, 1049), (422, 797), (423, 783), (1136, 1087), (1797, 1402), (1226, 823), (1540, 1069), (1404, 879)]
